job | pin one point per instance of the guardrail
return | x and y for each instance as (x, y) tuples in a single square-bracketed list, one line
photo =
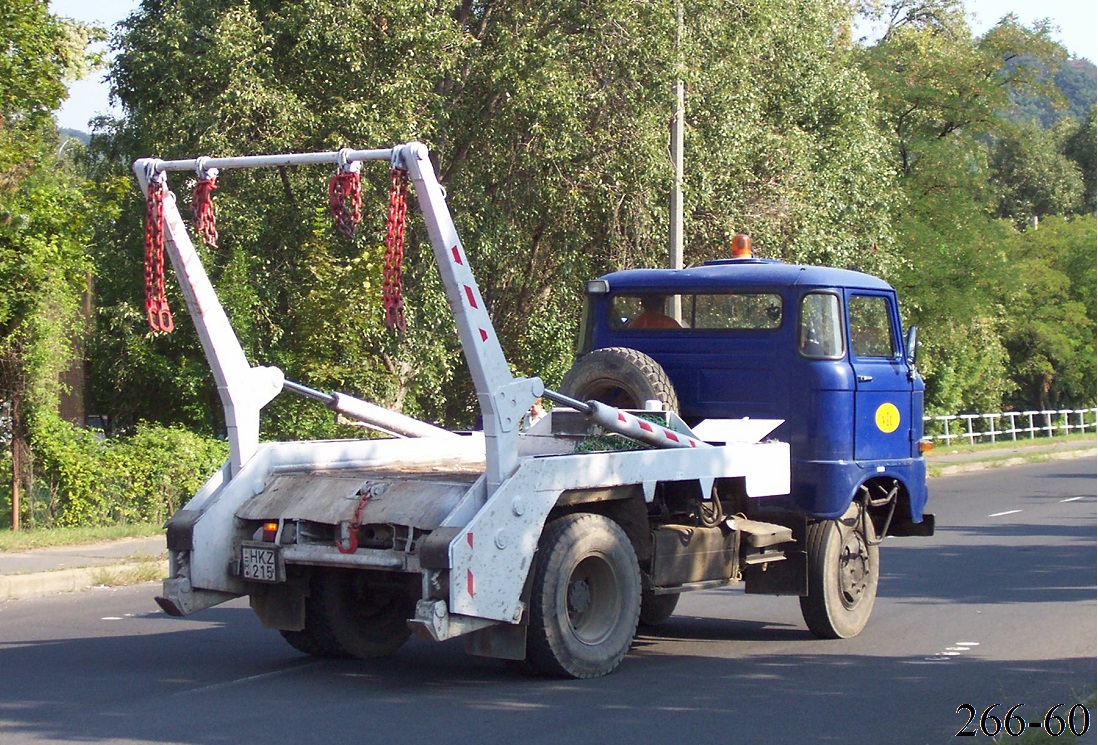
[(1009, 425)]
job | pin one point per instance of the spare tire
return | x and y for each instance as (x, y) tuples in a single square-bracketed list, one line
[(621, 377)]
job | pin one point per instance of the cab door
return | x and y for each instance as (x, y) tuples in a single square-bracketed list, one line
[(882, 387)]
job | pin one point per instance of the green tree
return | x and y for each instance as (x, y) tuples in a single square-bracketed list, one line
[(41, 53), (1033, 177), (1080, 149), (43, 266), (1051, 333)]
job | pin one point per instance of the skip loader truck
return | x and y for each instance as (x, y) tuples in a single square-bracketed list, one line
[(769, 433)]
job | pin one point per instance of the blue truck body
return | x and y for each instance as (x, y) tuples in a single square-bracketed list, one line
[(820, 348)]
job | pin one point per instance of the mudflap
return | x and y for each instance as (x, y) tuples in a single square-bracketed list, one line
[(503, 641), (903, 527), (786, 577), (279, 606)]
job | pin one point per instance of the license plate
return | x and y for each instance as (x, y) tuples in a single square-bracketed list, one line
[(260, 563)]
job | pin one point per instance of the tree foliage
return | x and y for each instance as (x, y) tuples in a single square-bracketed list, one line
[(1050, 333), (1032, 175), (41, 53), (44, 209)]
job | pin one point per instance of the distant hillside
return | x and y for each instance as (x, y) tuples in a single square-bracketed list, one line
[(1078, 83), (76, 134)]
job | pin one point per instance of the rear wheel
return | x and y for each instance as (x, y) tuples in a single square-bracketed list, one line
[(843, 570), (367, 613), (316, 638), (586, 598), (621, 377)]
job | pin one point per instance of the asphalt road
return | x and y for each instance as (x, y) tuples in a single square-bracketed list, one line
[(998, 607)]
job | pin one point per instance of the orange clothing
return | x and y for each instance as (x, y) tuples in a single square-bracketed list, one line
[(653, 319)]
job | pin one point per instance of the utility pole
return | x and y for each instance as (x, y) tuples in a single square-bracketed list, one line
[(677, 126), (674, 249)]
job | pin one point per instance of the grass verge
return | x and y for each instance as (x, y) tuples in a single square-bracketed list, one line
[(133, 574), (940, 448), (24, 540)]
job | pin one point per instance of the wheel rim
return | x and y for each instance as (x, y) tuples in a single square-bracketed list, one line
[(612, 394), (592, 600), (854, 569)]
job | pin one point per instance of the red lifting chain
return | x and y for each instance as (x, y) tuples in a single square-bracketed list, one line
[(345, 201), (391, 291), (202, 208), (156, 304)]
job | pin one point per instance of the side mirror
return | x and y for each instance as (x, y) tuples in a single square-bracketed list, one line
[(912, 344)]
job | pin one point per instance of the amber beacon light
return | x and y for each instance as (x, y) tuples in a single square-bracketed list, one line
[(741, 246)]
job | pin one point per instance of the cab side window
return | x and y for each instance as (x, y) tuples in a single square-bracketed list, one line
[(871, 327), (820, 329)]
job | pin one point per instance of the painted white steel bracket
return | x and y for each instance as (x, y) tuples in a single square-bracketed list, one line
[(492, 555)]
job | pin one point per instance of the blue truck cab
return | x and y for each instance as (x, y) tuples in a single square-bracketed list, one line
[(820, 348)]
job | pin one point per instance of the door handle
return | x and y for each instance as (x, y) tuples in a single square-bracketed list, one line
[(865, 378)]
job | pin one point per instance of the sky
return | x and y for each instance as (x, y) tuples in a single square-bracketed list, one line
[(1076, 21)]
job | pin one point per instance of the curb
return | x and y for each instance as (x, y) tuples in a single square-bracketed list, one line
[(40, 584)]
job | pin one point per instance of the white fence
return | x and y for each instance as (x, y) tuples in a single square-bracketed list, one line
[(1009, 426)]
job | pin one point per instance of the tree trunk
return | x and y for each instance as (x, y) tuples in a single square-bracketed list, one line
[(20, 462), (16, 485)]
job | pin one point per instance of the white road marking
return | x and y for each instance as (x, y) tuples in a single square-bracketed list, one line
[(1071, 499), (250, 678), (954, 651), (1000, 514)]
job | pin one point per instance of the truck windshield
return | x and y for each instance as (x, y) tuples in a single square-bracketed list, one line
[(820, 333), (709, 311)]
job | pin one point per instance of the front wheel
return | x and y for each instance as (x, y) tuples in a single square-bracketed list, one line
[(586, 598), (843, 569)]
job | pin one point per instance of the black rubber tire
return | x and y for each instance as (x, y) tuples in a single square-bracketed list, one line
[(843, 571), (621, 377), (367, 618), (316, 639), (586, 598), (656, 609)]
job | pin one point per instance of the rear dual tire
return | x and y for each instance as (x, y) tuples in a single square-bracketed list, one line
[(350, 613)]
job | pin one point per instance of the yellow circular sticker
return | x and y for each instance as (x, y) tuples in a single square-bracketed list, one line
[(887, 418)]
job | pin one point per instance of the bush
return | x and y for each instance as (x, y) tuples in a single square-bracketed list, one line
[(81, 480)]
